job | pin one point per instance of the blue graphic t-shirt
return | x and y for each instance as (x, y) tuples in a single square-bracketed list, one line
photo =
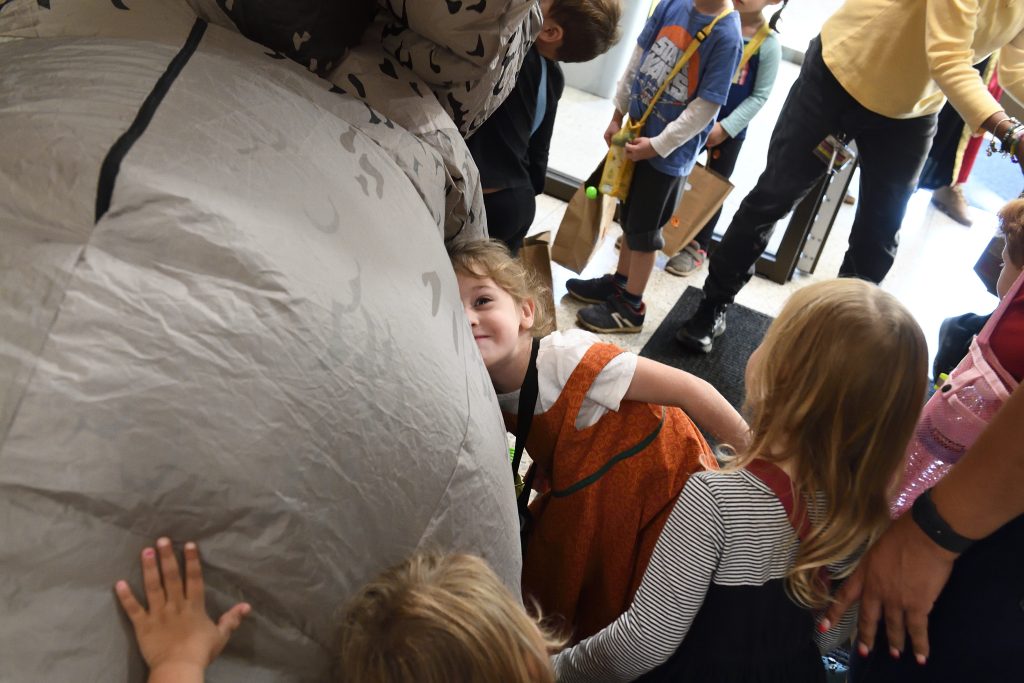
[(707, 75)]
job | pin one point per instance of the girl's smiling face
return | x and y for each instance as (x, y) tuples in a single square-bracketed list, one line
[(496, 319)]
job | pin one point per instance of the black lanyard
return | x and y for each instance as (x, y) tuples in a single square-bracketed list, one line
[(524, 418)]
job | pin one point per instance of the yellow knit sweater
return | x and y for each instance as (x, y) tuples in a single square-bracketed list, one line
[(893, 56)]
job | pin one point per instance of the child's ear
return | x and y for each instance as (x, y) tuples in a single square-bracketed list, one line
[(551, 34), (527, 314)]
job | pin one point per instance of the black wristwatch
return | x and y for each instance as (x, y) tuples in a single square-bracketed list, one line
[(928, 519)]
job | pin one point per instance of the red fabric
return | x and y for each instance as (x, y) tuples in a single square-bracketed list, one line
[(590, 544), (781, 485), (1007, 340)]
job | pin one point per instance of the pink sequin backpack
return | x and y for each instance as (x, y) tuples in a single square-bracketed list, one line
[(956, 415)]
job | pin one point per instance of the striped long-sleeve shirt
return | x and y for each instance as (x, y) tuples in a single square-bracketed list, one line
[(727, 529)]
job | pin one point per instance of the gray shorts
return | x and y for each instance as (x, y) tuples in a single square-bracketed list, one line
[(653, 196)]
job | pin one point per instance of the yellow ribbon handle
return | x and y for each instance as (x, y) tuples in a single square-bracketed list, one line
[(751, 48)]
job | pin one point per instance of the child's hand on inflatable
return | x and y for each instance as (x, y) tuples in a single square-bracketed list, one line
[(640, 149), (613, 127), (717, 136), (177, 638)]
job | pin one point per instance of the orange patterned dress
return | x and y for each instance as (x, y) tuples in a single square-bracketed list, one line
[(610, 489)]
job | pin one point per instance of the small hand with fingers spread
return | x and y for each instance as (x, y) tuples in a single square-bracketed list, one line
[(177, 638)]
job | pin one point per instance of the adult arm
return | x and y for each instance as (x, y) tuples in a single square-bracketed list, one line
[(654, 382), (670, 595), (1011, 67), (768, 68), (1011, 80), (903, 573), (949, 35)]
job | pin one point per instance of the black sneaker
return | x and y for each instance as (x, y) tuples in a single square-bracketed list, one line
[(611, 316), (595, 290), (699, 332)]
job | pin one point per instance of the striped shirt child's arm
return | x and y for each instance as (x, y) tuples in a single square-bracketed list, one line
[(669, 597)]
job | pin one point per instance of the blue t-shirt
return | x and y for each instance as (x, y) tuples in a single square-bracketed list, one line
[(707, 75)]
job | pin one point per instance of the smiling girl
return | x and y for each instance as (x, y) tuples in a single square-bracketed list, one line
[(611, 438)]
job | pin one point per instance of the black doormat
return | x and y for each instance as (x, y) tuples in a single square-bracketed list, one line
[(725, 365)]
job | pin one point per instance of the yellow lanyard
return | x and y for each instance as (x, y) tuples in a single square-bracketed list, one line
[(690, 49), (751, 48)]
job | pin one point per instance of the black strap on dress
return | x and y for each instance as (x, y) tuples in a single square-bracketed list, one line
[(524, 419)]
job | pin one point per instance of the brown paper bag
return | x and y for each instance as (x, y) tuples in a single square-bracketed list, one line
[(705, 193), (583, 226), (536, 257)]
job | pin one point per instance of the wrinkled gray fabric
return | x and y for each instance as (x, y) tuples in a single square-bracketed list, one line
[(260, 346)]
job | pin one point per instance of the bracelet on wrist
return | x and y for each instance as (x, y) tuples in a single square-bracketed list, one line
[(995, 128), (1008, 142), (928, 519), (1011, 133)]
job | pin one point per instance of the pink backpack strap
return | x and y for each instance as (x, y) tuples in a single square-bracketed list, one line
[(1004, 303)]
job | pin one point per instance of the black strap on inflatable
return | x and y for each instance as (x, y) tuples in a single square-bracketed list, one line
[(524, 418), (118, 151)]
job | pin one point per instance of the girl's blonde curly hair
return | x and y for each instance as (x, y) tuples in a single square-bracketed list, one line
[(492, 259)]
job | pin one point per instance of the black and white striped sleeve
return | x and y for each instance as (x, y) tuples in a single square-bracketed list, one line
[(670, 595)]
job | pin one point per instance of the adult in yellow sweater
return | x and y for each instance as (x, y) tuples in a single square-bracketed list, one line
[(878, 74)]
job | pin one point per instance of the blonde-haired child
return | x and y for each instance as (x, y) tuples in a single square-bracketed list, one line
[(432, 619), (747, 555), (609, 434), (442, 619)]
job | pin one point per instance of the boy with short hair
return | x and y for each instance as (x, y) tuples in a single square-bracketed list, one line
[(511, 147), (667, 149)]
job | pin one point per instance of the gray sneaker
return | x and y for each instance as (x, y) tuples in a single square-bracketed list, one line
[(689, 260)]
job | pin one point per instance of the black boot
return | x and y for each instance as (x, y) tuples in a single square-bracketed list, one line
[(699, 332)]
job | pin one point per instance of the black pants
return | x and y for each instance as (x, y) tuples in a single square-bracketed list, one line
[(721, 160), (892, 152), (510, 214)]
